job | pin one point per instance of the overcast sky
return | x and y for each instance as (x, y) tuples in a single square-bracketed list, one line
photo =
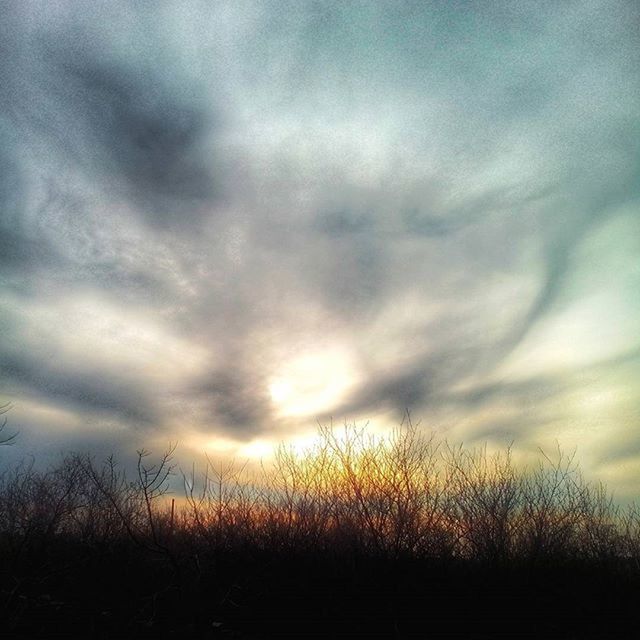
[(223, 221)]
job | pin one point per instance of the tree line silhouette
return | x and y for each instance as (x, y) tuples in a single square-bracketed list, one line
[(357, 534)]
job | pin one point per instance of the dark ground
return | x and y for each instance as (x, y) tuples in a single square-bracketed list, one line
[(124, 591)]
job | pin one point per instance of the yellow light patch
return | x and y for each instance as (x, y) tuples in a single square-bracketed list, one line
[(313, 383)]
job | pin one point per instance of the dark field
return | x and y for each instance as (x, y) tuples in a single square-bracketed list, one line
[(354, 538)]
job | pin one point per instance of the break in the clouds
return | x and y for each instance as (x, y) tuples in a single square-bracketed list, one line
[(221, 221)]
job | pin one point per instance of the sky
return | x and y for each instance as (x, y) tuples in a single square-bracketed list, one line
[(222, 222)]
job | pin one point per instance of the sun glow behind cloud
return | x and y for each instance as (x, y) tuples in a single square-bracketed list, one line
[(314, 383)]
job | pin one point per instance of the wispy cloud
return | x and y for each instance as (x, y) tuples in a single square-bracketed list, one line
[(441, 199)]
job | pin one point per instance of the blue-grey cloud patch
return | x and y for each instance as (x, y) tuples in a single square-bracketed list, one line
[(68, 384), (16, 250), (238, 400), (144, 134)]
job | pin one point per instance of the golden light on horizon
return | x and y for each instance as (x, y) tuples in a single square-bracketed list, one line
[(256, 449)]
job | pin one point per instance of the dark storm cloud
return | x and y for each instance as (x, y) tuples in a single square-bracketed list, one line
[(71, 385), (135, 124), (15, 250), (344, 221), (25, 249), (144, 133), (424, 381), (237, 398), (10, 174), (398, 390), (586, 202)]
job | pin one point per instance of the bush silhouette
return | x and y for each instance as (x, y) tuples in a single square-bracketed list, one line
[(367, 530)]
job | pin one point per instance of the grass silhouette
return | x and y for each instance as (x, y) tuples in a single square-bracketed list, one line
[(357, 536)]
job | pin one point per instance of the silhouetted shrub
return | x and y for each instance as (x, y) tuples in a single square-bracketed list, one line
[(352, 521)]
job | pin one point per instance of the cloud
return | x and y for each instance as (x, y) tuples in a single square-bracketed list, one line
[(143, 134), (70, 384), (198, 196), (238, 400)]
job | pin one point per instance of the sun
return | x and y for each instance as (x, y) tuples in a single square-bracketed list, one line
[(313, 382), (280, 390)]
